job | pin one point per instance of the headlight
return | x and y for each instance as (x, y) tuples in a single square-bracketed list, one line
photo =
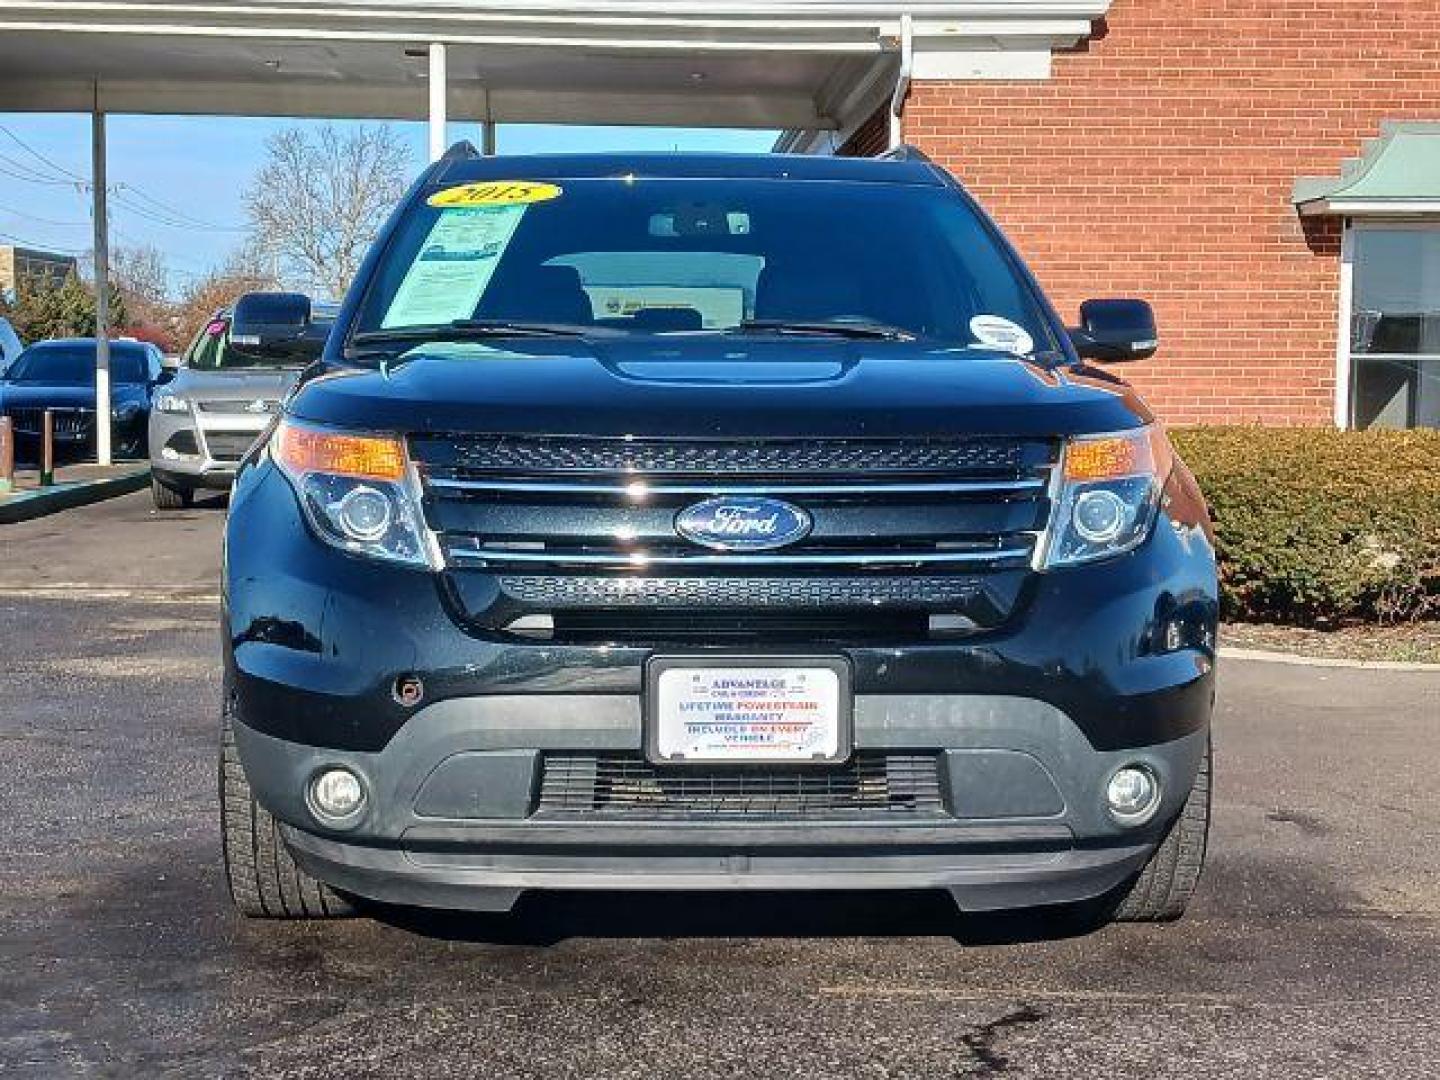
[(171, 404), (358, 491), (1109, 494)]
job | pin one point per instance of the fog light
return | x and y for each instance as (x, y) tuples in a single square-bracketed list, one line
[(1099, 516), (364, 514), (1133, 794), (336, 796)]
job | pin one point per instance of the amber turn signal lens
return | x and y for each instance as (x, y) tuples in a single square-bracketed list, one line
[(1144, 452), (307, 450)]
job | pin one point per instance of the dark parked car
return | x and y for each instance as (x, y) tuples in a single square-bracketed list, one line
[(59, 375), (691, 522)]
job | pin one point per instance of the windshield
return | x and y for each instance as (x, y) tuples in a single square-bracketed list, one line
[(74, 365), (211, 351), (716, 256)]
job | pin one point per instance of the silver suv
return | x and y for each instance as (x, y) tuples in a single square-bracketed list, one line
[(221, 399)]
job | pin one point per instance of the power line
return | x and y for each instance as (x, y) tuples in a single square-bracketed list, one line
[(44, 220), (156, 209), (165, 219), (12, 168), (177, 213), (38, 156), (39, 247)]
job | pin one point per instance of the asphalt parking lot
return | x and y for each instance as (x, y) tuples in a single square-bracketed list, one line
[(1312, 951)]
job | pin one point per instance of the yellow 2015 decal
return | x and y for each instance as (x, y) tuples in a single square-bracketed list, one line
[(495, 193)]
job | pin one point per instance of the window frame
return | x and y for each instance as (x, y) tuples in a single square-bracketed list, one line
[(1347, 361)]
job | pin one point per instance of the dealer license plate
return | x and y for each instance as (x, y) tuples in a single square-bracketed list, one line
[(748, 711)]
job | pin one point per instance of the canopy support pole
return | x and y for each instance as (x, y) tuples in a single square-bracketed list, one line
[(100, 211), (487, 128), (902, 81), (438, 96)]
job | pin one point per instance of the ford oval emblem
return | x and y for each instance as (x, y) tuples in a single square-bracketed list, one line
[(743, 523)]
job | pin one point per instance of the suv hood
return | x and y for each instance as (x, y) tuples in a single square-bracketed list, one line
[(719, 386)]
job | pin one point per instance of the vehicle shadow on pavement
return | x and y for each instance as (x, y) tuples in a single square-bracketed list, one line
[(542, 918)]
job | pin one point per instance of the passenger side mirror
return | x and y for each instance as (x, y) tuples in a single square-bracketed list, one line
[(275, 326), (1113, 331)]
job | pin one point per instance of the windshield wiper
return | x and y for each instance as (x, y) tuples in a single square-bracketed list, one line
[(857, 329), (464, 330)]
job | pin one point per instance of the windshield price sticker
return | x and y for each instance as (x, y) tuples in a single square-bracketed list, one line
[(748, 714), (495, 193), (454, 267)]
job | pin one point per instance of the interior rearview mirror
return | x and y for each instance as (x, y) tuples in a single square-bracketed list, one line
[(1113, 331), (275, 325)]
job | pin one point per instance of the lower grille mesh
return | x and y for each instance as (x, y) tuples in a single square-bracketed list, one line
[(626, 785), (557, 591), (229, 446)]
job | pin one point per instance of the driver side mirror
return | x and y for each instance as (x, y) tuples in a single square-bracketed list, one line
[(1113, 331), (275, 326)]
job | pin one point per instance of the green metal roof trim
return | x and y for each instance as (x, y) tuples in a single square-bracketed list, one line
[(1398, 172)]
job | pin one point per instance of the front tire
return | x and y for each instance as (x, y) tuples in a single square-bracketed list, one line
[(264, 880), (1163, 889), (170, 496)]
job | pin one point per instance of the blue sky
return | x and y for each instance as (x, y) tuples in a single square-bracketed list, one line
[(197, 168)]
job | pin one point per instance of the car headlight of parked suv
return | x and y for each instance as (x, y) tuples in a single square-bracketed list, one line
[(358, 491), (171, 403), (1109, 493)]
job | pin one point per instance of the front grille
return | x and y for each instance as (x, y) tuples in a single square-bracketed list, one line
[(561, 591), (68, 422), (240, 406), (229, 445), (626, 785), (804, 457), (532, 524)]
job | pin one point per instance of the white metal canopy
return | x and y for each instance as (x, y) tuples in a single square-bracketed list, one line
[(802, 64)]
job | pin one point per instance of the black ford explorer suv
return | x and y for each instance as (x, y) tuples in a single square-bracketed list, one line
[(711, 522)]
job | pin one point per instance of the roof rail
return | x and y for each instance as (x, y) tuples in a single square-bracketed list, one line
[(460, 151), (903, 153)]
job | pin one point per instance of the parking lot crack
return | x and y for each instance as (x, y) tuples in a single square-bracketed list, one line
[(981, 1042)]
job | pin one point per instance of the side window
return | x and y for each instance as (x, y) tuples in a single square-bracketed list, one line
[(1395, 327), (204, 350)]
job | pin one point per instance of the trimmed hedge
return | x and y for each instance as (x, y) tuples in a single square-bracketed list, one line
[(1322, 526)]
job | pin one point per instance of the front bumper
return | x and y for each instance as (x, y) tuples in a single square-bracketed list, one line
[(452, 816), (198, 449)]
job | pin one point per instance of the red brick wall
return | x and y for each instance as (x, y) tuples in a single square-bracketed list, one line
[(870, 138), (1158, 161)]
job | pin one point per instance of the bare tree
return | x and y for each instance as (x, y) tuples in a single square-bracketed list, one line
[(320, 198), (217, 289), (143, 279)]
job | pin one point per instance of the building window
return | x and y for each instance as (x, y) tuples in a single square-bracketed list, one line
[(1395, 326)]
